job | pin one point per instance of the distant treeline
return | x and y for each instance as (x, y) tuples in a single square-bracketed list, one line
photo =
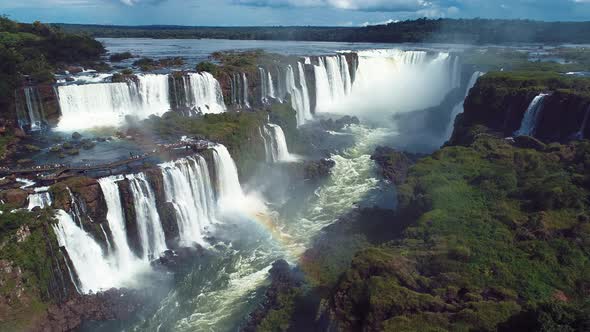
[(473, 31)]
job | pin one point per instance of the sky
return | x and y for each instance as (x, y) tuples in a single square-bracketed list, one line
[(284, 12)]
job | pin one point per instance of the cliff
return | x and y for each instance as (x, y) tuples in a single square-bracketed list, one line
[(499, 101)]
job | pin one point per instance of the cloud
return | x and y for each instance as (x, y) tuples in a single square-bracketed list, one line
[(355, 5)]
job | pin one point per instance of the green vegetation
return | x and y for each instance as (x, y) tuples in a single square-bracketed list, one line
[(27, 266), (35, 51), (209, 67), (147, 64), (496, 229), (479, 31)]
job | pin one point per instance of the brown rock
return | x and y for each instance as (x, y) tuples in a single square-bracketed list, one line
[(16, 197)]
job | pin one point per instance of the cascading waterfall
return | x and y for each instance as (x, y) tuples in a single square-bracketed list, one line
[(333, 81), (91, 265), (35, 116), (203, 92), (151, 234), (107, 104), (275, 144), (125, 258), (386, 78), (239, 90), (299, 96), (228, 183), (188, 187), (458, 109), (529, 121), (306, 110), (41, 198), (267, 89)]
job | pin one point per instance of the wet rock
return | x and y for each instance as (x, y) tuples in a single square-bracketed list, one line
[(114, 304), (179, 260), (339, 124), (317, 169), (76, 135), (394, 164)]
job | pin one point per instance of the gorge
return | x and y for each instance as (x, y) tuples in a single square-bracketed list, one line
[(342, 188)]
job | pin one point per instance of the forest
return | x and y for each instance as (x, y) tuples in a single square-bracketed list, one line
[(476, 31)]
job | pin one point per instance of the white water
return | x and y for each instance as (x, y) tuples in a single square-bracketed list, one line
[(107, 104), (151, 234), (35, 112), (188, 187), (458, 109), (276, 144), (124, 258), (203, 92), (299, 95), (266, 86), (41, 198), (92, 267), (333, 81), (529, 121), (306, 110), (228, 184), (388, 78)]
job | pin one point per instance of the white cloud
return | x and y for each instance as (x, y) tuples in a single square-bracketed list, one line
[(360, 5)]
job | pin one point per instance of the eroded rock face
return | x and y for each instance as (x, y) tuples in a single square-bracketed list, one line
[(500, 104), (284, 282), (114, 304), (394, 164)]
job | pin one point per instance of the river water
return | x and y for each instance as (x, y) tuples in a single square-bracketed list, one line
[(221, 288)]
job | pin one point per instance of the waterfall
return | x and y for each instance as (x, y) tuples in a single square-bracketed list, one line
[(116, 219), (245, 87), (299, 95), (267, 140), (41, 198), (333, 80), (276, 144), (529, 121), (306, 110), (228, 183), (267, 89), (384, 81), (458, 109), (107, 104), (90, 263), (35, 116), (239, 90), (580, 134), (188, 187), (151, 234), (203, 92)]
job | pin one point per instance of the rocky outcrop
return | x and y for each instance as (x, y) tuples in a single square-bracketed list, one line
[(339, 124), (14, 197), (114, 304), (130, 217), (499, 102), (165, 210), (284, 285), (394, 164)]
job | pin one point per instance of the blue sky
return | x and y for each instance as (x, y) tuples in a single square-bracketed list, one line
[(284, 12)]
